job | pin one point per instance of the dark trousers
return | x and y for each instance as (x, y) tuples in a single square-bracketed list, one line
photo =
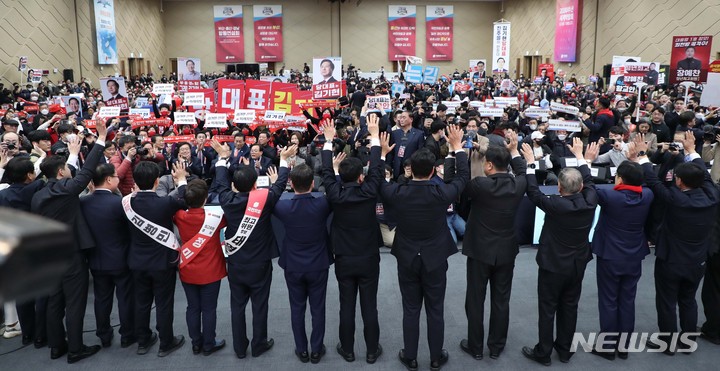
[(201, 308), (69, 301), (249, 282), (105, 284), (416, 285), (304, 287), (500, 279), (710, 296), (558, 296), (160, 286), (32, 315), (617, 285), (358, 274), (675, 287)]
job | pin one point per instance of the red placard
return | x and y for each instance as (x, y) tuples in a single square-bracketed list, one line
[(283, 98), (179, 138), (331, 90), (186, 85), (268, 33), (231, 95), (401, 31), (257, 94), (229, 46), (439, 33), (690, 58), (550, 68)]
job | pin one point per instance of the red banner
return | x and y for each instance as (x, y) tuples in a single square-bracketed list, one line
[(268, 33), (690, 58), (439, 33), (401, 31), (331, 90), (185, 85), (179, 138), (257, 94), (231, 95), (549, 71), (283, 98), (229, 46)]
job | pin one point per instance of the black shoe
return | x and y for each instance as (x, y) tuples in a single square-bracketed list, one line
[(303, 356), (349, 357), (145, 348), (27, 340), (651, 345), (197, 349), (106, 343), (263, 347), (610, 356), (465, 346), (529, 353), (437, 365), (709, 337), (562, 355), (410, 364), (495, 354), (58, 352), (316, 356), (241, 355), (218, 345), (85, 352), (177, 343), (372, 357), (125, 343), (40, 343)]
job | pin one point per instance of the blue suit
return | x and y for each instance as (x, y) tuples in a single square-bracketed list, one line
[(405, 146), (305, 256)]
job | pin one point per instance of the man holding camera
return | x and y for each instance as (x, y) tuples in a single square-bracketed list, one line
[(129, 154)]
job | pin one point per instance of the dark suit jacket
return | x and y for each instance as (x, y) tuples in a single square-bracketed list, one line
[(564, 243), (420, 209), (260, 246), (109, 227), (208, 156), (490, 231), (59, 199), (305, 247), (413, 141), (619, 233), (18, 196), (145, 254), (265, 163), (244, 151), (684, 235), (355, 230), (689, 64), (331, 79)]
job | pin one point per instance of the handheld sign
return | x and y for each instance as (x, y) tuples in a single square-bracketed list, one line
[(557, 107), (244, 116), (161, 89), (185, 118), (108, 111), (216, 120), (194, 99), (564, 125)]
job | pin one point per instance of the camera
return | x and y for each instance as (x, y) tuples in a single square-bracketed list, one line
[(139, 149), (676, 146), (610, 142)]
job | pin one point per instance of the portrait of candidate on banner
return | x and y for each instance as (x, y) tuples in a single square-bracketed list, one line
[(690, 58), (113, 88), (188, 68), (327, 70), (477, 67)]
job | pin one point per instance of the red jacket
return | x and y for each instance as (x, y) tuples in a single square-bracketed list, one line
[(123, 168), (209, 265)]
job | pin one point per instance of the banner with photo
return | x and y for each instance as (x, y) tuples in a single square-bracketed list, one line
[(401, 31), (617, 68), (477, 67), (439, 32), (268, 33), (501, 47), (105, 34), (188, 68), (327, 78), (229, 39), (567, 22), (114, 92), (690, 58), (549, 69)]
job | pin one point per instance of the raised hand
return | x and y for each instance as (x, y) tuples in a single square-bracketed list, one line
[(640, 143), (101, 129), (222, 149), (288, 152), (179, 172), (455, 135), (4, 158), (577, 148), (373, 123), (592, 151), (74, 146), (632, 152), (528, 153), (328, 129), (512, 144), (272, 173), (385, 143), (337, 160), (245, 161), (689, 142)]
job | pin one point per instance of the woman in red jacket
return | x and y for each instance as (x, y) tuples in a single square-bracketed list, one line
[(202, 266)]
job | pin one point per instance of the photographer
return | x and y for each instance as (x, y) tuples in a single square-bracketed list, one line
[(124, 161)]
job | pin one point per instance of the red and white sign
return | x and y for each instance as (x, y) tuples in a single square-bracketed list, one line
[(330, 90), (401, 31), (439, 32), (231, 95), (257, 94), (690, 59), (229, 40), (185, 85), (268, 33)]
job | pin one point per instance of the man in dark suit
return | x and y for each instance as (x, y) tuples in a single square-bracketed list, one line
[(238, 149), (620, 244), (684, 239), (652, 75), (249, 267), (108, 260), (690, 62), (355, 238), (204, 155), (563, 253), (422, 245), (406, 139), (326, 71), (257, 161), (305, 256), (59, 200), (20, 173), (491, 246), (152, 262)]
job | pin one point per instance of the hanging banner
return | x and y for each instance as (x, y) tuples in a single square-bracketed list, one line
[(501, 47), (567, 22), (439, 32), (401, 31), (689, 59), (105, 32), (229, 45), (268, 33)]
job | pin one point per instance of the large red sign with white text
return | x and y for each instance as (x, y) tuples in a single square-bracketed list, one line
[(439, 33), (401, 32), (268, 33)]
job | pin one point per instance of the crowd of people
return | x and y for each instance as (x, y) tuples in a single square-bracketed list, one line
[(417, 178)]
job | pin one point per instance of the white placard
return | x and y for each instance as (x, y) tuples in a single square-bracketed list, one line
[(262, 181), (537, 112), (159, 89), (274, 115), (141, 101), (490, 112), (477, 104), (194, 99), (594, 171), (613, 170), (108, 111), (451, 105), (557, 107), (215, 120), (185, 118), (571, 162), (381, 102), (244, 116), (294, 119), (564, 125), (506, 101), (144, 112)]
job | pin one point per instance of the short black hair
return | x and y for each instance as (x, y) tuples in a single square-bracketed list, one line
[(422, 163), (499, 156), (686, 117), (196, 193), (155, 138), (332, 65), (244, 178), (145, 174), (437, 125), (619, 130), (302, 177), (604, 102), (239, 134), (51, 165), (631, 173), (441, 107), (659, 109), (102, 172), (690, 174), (111, 80), (63, 128), (38, 135), (350, 169), (188, 61), (125, 139), (18, 168)]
